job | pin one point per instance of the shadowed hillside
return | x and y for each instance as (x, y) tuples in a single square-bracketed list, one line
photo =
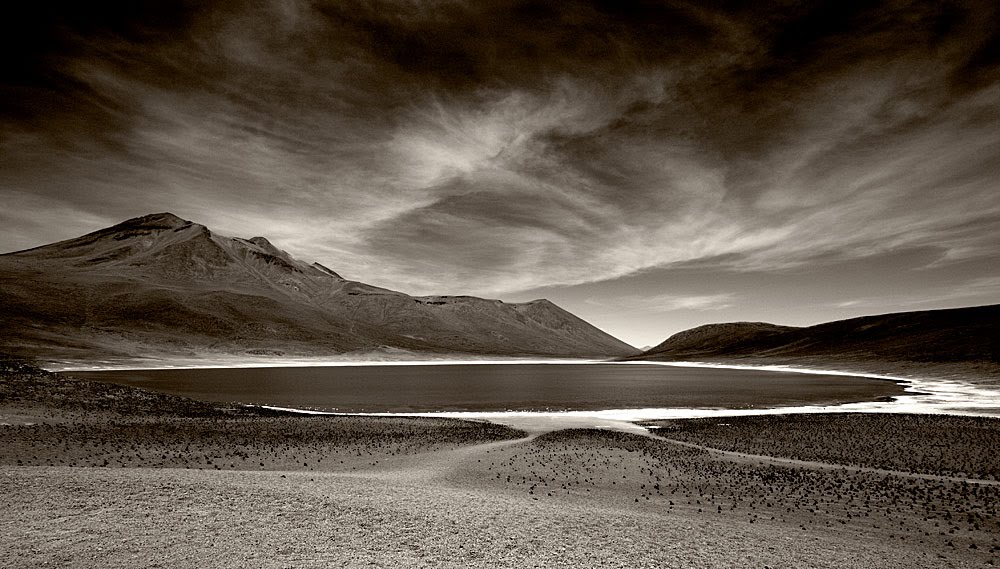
[(161, 284), (959, 335)]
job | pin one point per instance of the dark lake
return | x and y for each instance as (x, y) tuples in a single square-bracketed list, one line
[(501, 387)]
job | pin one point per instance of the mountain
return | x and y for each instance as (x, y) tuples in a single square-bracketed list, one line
[(956, 335), (159, 284), (721, 339)]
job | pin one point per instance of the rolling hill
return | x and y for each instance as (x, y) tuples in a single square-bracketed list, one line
[(958, 335), (161, 284)]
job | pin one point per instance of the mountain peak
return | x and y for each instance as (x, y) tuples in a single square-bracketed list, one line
[(267, 247), (118, 241), (164, 220), (541, 303), (710, 336), (262, 242)]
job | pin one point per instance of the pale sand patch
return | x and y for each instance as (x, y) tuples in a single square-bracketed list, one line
[(544, 423), (141, 517), (528, 421)]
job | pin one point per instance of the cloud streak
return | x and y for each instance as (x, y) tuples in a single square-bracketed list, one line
[(668, 302)]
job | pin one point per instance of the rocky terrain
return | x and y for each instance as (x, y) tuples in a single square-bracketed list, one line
[(162, 286)]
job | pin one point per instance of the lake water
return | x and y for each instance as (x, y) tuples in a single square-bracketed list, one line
[(504, 387)]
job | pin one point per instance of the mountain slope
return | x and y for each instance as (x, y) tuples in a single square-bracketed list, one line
[(934, 336), (162, 284)]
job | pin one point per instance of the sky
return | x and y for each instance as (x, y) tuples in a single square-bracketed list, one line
[(649, 166)]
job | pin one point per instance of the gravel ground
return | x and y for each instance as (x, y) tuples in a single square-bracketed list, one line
[(85, 517), (91, 477), (933, 444)]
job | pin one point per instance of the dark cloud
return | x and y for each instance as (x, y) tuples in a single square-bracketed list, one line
[(41, 41), (469, 46)]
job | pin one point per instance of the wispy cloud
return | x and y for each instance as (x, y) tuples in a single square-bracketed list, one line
[(667, 302), (982, 290)]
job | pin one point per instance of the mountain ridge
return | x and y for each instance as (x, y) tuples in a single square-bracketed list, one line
[(952, 335), (162, 283)]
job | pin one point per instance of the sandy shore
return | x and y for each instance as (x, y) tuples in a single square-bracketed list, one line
[(976, 373), (98, 475)]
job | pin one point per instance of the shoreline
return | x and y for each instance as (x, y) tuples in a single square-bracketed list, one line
[(319, 362), (581, 415), (921, 394)]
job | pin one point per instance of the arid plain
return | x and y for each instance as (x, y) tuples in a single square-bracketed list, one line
[(101, 475)]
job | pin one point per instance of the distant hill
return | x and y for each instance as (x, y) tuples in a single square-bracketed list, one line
[(159, 283), (956, 335)]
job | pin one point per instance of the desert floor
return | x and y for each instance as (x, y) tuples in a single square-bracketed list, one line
[(98, 475)]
